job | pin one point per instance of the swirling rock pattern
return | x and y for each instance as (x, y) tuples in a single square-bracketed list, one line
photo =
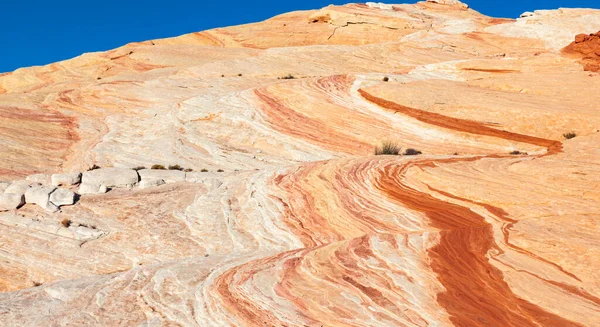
[(305, 227)]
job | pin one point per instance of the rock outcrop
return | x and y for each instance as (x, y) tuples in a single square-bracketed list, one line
[(289, 219), (110, 177), (587, 47)]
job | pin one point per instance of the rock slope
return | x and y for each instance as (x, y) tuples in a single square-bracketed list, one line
[(296, 222)]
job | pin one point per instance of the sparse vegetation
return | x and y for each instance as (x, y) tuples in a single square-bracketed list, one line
[(385, 79), (204, 170), (517, 152), (288, 76), (159, 167), (36, 284), (138, 168), (220, 171), (175, 167), (87, 226), (94, 167), (388, 147), (569, 135), (240, 74), (187, 170), (66, 222), (455, 153), (412, 152)]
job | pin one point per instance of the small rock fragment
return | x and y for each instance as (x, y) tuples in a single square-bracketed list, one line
[(91, 188), (11, 201), (62, 197), (66, 179)]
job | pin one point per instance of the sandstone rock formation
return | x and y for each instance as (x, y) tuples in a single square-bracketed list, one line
[(588, 48), (288, 218)]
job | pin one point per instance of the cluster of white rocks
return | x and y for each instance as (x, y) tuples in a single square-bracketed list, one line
[(39, 189), (46, 190)]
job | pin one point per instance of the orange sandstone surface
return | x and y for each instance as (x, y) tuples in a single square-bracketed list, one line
[(305, 226)]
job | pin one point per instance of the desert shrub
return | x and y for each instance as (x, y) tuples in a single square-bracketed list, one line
[(175, 167), (204, 170), (288, 76), (412, 152), (138, 168), (187, 170), (517, 152), (159, 167), (385, 79), (66, 222), (240, 75), (388, 147), (36, 284), (94, 167), (220, 170), (569, 135)]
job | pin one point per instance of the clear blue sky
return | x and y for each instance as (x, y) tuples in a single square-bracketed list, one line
[(38, 32)]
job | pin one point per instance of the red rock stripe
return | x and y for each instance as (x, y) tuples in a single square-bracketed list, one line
[(462, 125), (476, 294)]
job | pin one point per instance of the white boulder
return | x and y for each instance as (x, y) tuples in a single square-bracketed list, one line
[(40, 195), (146, 183), (19, 187), (9, 201), (66, 179), (168, 176), (62, 197), (91, 188), (39, 178), (111, 177), (3, 186)]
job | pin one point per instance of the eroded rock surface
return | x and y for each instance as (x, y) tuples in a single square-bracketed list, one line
[(111, 177), (288, 218)]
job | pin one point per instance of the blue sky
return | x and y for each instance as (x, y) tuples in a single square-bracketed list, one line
[(38, 32)]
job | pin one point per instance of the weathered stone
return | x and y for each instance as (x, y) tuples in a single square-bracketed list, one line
[(39, 178), (3, 186), (196, 177), (19, 187), (146, 183), (91, 188), (111, 177), (62, 197), (168, 176), (9, 201), (66, 179), (40, 195)]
